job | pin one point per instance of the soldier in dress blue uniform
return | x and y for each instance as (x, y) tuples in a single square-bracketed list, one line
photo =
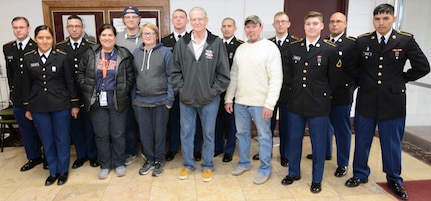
[(282, 39), (381, 100), (312, 66), (225, 125), (51, 100), (81, 128), (14, 53), (342, 97)]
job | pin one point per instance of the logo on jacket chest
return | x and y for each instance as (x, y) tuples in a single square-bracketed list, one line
[(209, 54)]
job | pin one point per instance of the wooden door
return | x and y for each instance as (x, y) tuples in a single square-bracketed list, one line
[(297, 9)]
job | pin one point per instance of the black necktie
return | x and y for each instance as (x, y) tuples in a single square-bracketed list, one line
[(20, 46), (75, 46), (225, 43), (179, 36), (310, 47), (279, 43), (43, 58), (382, 42)]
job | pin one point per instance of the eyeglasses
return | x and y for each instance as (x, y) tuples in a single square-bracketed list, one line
[(281, 22), (148, 34), (336, 22), (131, 17), (74, 26)]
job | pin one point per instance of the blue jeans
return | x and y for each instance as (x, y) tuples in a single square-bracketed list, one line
[(152, 122), (54, 131), (110, 135), (208, 115), (243, 116)]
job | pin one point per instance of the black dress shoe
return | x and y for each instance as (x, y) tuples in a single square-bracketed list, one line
[(353, 182), (31, 163), (310, 156), (78, 163), (256, 157), (315, 187), (198, 156), (287, 180), (217, 153), (170, 155), (94, 162), (45, 164), (227, 157), (62, 179), (284, 162), (50, 180), (398, 190), (341, 171)]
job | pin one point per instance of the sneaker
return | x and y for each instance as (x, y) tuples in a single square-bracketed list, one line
[(120, 171), (103, 174), (129, 159), (158, 169), (184, 173), (260, 179), (239, 170), (146, 168), (207, 175)]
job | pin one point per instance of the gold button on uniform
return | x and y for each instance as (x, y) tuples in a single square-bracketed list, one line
[(43, 76), (379, 82), (306, 63), (380, 66), (379, 74), (45, 89), (304, 71), (381, 58), (304, 85), (75, 59), (304, 78)]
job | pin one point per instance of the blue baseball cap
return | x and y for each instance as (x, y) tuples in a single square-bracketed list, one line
[(127, 8)]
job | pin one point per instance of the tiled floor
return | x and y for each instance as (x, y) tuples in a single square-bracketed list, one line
[(84, 185)]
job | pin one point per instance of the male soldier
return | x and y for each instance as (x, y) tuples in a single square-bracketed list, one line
[(381, 101), (225, 121), (179, 20), (311, 68), (130, 39), (342, 97), (81, 129), (13, 53)]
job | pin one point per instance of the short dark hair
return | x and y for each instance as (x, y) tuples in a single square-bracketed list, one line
[(41, 28), (103, 27), (384, 9), (180, 10), (20, 18), (74, 17), (314, 14)]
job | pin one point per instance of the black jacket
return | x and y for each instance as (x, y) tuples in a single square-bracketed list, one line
[(312, 77), (48, 87), (381, 76), (125, 78), (14, 66)]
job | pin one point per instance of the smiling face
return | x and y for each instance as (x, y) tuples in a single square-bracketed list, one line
[(131, 20), (20, 29), (281, 24), (149, 36), (44, 40), (107, 39), (383, 22), (312, 27), (198, 20)]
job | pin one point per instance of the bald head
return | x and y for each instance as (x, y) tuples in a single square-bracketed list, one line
[(337, 24)]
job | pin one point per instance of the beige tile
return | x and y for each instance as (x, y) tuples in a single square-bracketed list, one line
[(171, 188), (40, 192), (219, 189), (88, 192)]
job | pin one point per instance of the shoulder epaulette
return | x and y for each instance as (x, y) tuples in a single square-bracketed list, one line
[(351, 38), (61, 51), (365, 34), (62, 42), (272, 38), (329, 42), (30, 52), (90, 41), (297, 41), (10, 42), (239, 40), (166, 35), (405, 33), (294, 37)]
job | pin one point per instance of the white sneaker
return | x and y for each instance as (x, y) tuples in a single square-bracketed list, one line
[(103, 174), (260, 179), (120, 171), (239, 170)]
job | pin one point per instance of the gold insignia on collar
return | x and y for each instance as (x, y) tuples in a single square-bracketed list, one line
[(373, 37), (302, 44), (394, 37), (339, 63)]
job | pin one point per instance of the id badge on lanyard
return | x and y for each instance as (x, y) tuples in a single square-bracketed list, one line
[(103, 98)]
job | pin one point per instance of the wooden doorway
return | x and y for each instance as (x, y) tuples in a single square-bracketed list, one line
[(297, 10)]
